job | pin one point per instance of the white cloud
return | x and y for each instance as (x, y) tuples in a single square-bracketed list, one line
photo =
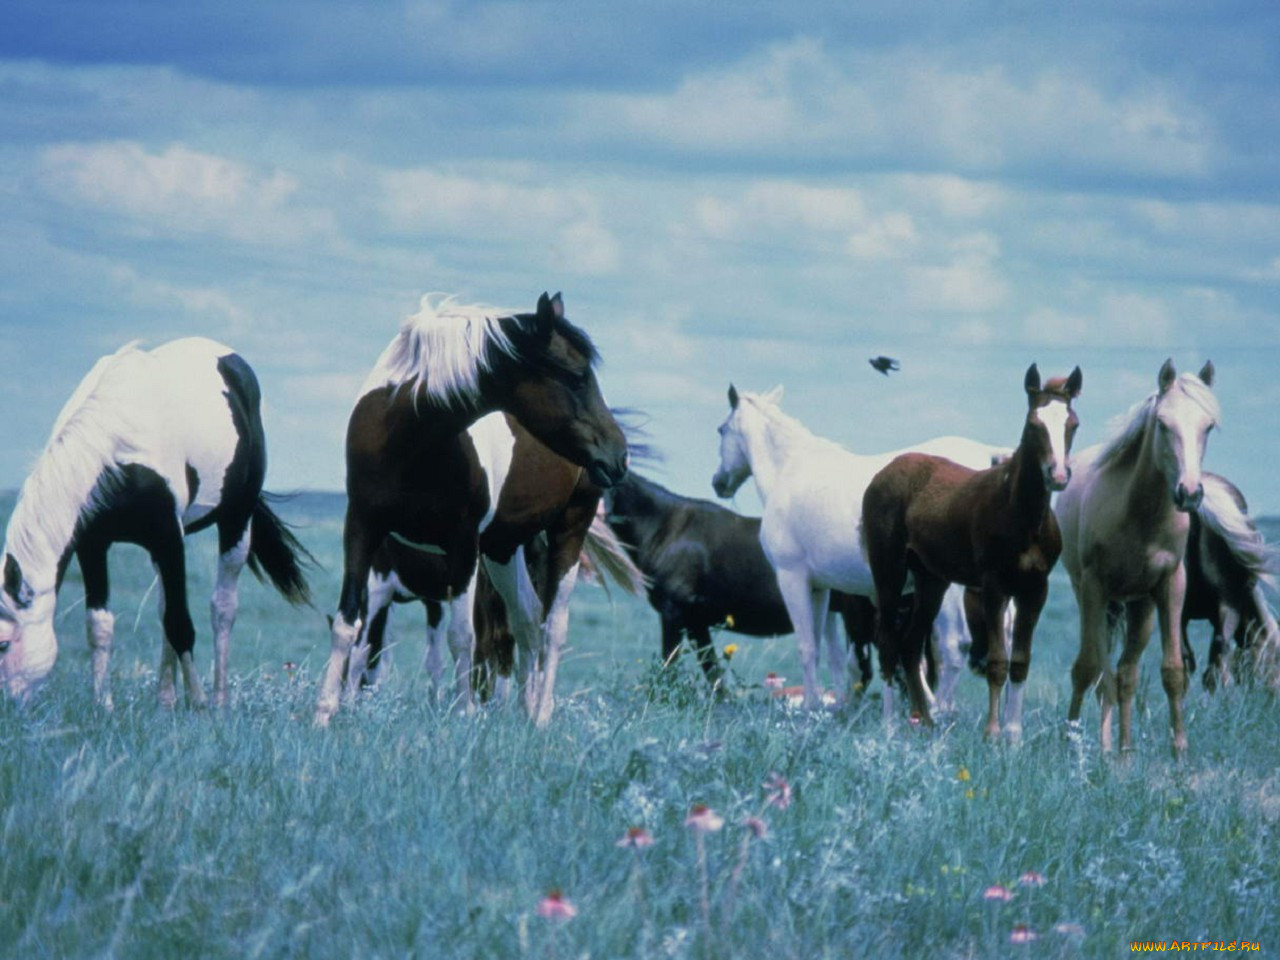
[(970, 282), (180, 190)]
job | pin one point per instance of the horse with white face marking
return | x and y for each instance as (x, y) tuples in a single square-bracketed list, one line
[(152, 445), (1125, 520), (413, 474), (991, 530), (811, 489)]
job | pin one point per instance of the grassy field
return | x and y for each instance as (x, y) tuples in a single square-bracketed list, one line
[(405, 830)]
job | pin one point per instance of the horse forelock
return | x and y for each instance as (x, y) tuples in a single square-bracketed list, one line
[(1128, 428), (1199, 393), (1056, 389), (529, 348)]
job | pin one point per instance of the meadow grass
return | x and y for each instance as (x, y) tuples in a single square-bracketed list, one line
[(409, 830)]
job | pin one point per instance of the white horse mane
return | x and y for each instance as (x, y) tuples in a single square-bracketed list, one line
[(1127, 429), (1223, 516), (66, 482), (443, 348)]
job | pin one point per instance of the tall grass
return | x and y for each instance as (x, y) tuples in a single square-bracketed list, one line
[(408, 830)]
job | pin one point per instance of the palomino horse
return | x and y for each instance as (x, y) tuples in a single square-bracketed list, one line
[(990, 530), (412, 470), (151, 446), (1229, 568), (537, 494), (812, 492), (1124, 521)]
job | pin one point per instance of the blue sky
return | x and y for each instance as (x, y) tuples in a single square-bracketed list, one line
[(722, 192)]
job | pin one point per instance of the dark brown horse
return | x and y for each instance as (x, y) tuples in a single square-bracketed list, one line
[(990, 530), (413, 472), (706, 568), (1228, 567)]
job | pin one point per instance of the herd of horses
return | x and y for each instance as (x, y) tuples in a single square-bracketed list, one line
[(483, 465)]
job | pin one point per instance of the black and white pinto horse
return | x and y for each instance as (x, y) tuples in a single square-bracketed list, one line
[(413, 474), (153, 445)]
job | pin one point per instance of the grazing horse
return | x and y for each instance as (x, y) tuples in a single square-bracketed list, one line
[(152, 445), (991, 530), (812, 492), (1125, 520), (413, 474), (706, 567), (1228, 569)]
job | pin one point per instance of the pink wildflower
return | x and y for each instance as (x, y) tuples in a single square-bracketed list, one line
[(637, 838), (777, 791), (997, 892), (703, 818), (1022, 934), (1069, 929), (914, 719), (758, 827), (554, 906), (773, 682), (1032, 879)]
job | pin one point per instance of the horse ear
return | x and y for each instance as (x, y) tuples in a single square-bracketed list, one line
[(1032, 381), (1168, 373), (550, 308), (774, 396), (733, 397), (15, 585), (1207, 372), (1074, 383), (557, 306)]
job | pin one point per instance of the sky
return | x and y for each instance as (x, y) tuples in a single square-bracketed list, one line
[(756, 193)]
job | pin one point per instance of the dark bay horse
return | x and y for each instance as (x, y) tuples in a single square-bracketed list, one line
[(151, 446), (706, 568), (1229, 567), (989, 530), (413, 473)]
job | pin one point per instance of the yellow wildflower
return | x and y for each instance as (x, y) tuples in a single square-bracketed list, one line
[(729, 650)]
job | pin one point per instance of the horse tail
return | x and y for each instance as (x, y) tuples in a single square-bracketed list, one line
[(1224, 512), (276, 554), (603, 552)]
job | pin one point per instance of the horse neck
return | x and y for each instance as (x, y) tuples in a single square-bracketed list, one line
[(772, 441), (62, 488), (639, 511), (1147, 488), (1029, 495)]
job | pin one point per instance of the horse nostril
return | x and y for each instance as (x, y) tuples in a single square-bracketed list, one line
[(4, 647)]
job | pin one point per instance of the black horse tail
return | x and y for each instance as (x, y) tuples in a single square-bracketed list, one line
[(277, 555)]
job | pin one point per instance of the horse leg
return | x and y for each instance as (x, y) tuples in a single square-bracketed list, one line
[(1093, 663), (1227, 624), (99, 621), (948, 635), (232, 556), (860, 628), (169, 558), (799, 596), (1139, 618), (437, 639), (1029, 604), (1169, 598), (706, 651), (564, 552), (524, 612), (924, 611), (838, 659), (359, 541), (366, 652), (672, 635)]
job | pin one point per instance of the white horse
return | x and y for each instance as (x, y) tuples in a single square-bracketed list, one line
[(152, 445), (811, 489)]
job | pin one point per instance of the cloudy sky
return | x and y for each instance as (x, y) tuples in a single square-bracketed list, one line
[(757, 192)]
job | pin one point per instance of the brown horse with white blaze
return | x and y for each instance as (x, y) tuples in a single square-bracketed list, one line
[(990, 530)]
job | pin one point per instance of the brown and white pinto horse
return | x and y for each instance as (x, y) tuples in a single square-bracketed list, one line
[(990, 530), (1125, 521), (412, 470)]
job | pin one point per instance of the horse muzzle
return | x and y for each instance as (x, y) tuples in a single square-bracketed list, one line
[(606, 473), (1057, 481), (1188, 501)]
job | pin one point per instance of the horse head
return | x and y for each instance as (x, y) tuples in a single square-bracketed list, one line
[(28, 646), (1185, 412), (550, 386), (1051, 423), (735, 454)]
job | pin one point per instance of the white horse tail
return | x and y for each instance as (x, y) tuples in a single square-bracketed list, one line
[(1224, 512), (605, 557)]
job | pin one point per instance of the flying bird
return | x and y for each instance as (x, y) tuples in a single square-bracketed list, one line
[(884, 364)]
